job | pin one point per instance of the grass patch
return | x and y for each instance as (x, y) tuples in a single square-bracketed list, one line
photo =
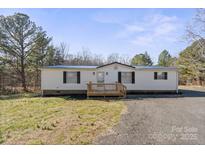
[(55, 120)]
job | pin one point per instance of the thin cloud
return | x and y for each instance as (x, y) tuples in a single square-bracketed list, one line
[(142, 40), (134, 28), (158, 28), (149, 31), (110, 17), (129, 30)]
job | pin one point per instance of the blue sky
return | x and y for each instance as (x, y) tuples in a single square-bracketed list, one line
[(105, 31)]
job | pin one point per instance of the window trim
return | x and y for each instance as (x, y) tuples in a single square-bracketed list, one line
[(65, 77), (131, 73), (164, 77)]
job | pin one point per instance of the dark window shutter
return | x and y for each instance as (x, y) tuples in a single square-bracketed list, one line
[(165, 75), (133, 77), (78, 77), (155, 75), (64, 77), (119, 77)]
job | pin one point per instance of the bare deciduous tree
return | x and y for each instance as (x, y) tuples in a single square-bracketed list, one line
[(196, 31), (115, 57)]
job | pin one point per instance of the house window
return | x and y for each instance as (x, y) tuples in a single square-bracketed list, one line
[(160, 75), (71, 77), (100, 77), (126, 77)]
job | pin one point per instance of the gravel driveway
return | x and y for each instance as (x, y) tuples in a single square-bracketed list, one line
[(161, 119)]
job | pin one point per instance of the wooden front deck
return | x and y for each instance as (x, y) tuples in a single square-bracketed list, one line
[(106, 89)]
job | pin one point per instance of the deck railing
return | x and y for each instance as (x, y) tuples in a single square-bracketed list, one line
[(106, 89)]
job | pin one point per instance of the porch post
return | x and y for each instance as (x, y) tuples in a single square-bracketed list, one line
[(116, 85), (90, 85)]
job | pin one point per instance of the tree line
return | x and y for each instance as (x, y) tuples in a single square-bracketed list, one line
[(26, 47)]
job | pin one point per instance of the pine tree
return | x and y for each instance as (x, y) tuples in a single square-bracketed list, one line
[(164, 59), (18, 34), (142, 59)]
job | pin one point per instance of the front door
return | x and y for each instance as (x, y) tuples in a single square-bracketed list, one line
[(100, 77)]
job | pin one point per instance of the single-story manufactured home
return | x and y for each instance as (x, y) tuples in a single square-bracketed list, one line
[(63, 79)]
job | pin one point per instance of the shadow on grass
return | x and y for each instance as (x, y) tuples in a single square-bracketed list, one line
[(18, 96), (84, 97), (76, 97), (137, 96)]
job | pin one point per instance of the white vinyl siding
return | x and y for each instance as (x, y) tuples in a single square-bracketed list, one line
[(52, 79)]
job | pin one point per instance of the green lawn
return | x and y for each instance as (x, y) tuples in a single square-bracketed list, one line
[(55, 120)]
